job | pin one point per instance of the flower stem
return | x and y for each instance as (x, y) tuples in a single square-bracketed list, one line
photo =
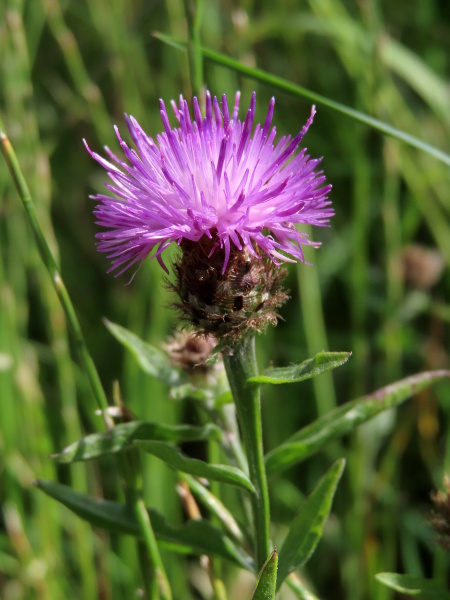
[(53, 270), (240, 365)]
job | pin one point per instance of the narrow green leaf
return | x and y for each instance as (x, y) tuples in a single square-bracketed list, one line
[(346, 418), (297, 90), (179, 461), (215, 506), (121, 436), (150, 359), (423, 80), (427, 589), (195, 537), (299, 589), (191, 392), (267, 579), (222, 399), (321, 362), (305, 530)]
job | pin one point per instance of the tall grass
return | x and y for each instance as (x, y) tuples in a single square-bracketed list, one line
[(70, 69)]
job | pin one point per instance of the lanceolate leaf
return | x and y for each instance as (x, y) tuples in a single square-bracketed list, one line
[(151, 360), (426, 589), (346, 418), (196, 537), (267, 579), (179, 461), (321, 362), (305, 530), (120, 437)]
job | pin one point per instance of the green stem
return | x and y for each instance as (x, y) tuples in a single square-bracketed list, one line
[(130, 470), (143, 518), (53, 270), (86, 359), (240, 365), (194, 11)]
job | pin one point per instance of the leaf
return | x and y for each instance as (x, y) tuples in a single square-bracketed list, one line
[(427, 589), (346, 418), (424, 81), (296, 90), (267, 579), (299, 589), (121, 436), (195, 537), (321, 362), (179, 461), (191, 392), (305, 530), (214, 506), (150, 359)]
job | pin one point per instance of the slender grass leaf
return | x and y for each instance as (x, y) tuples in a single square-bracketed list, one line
[(267, 579), (321, 362), (346, 418), (151, 360), (189, 391), (424, 81), (305, 530), (427, 589), (300, 590), (121, 436), (297, 90), (195, 537), (179, 461), (214, 505)]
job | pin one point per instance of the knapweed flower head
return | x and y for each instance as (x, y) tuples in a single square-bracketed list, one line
[(231, 199)]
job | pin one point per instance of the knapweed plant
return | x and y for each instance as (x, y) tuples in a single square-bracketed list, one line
[(234, 198)]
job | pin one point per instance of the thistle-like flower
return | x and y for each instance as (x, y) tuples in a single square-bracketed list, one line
[(230, 199)]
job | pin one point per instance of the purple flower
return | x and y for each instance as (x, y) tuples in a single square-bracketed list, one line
[(210, 177)]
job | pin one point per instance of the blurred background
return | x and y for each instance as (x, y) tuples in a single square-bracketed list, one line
[(379, 285)]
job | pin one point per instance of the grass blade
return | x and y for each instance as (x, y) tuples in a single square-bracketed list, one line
[(297, 90), (179, 461), (305, 530), (427, 589)]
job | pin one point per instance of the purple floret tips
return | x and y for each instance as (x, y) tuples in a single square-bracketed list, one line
[(210, 176)]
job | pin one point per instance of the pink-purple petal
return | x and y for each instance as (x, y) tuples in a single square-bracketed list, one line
[(210, 176)]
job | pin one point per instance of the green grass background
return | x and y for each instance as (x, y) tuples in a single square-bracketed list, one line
[(69, 70)]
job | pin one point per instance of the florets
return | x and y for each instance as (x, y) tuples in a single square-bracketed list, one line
[(232, 201), (210, 177)]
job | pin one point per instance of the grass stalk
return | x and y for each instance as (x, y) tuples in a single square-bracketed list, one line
[(194, 11), (53, 270)]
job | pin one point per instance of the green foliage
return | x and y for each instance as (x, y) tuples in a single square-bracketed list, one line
[(69, 70), (415, 586), (152, 361), (320, 363), (195, 537), (305, 530), (123, 435), (345, 418), (177, 460), (266, 583)]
